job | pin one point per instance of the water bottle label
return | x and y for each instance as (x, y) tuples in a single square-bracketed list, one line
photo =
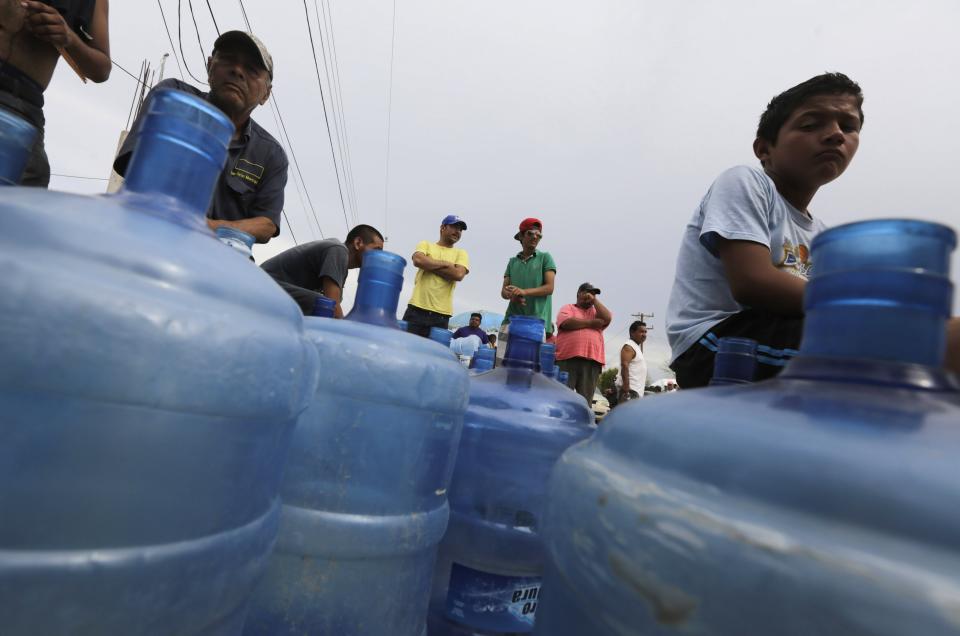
[(492, 602)]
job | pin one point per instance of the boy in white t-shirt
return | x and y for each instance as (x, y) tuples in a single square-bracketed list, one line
[(745, 258)]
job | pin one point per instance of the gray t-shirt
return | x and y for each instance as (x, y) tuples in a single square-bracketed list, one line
[(742, 204), (304, 264)]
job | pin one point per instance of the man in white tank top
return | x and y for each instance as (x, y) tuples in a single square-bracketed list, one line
[(633, 367)]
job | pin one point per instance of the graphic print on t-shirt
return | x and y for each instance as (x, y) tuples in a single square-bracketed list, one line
[(795, 259)]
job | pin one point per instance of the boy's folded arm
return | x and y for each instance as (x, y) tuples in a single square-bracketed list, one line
[(755, 282)]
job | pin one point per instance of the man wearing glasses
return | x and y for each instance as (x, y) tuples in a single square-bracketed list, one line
[(528, 282)]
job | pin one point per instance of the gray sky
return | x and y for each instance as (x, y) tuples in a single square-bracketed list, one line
[(607, 120)]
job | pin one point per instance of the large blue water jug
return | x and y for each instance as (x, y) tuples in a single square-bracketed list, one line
[(16, 140), (518, 423), (151, 379), (824, 501), (365, 494)]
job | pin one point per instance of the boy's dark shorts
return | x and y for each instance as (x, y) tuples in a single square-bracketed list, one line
[(777, 336)]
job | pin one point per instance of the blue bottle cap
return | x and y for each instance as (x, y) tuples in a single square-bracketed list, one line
[(323, 307), (485, 353), (562, 377), (735, 361), (548, 354), (237, 239), (482, 364), (378, 290), (181, 147), (402, 325), (441, 335), (16, 141), (884, 244)]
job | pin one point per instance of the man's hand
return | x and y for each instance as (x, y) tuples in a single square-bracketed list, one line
[(45, 23)]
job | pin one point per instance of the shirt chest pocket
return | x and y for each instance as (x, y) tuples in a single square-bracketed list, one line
[(243, 189)]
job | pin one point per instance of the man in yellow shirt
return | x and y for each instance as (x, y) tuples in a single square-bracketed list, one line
[(440, 266)]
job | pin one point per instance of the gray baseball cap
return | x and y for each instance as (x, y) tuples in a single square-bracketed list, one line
[(242, 38)]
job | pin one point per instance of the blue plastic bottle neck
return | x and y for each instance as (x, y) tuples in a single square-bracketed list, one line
[(548, 354), (180, 150), (482, 364), (879, 303), (16, 140), (523, 342), (735, 362), (378, 291), (324, 307)]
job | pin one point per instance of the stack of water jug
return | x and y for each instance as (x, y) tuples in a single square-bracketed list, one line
[(183, 453)]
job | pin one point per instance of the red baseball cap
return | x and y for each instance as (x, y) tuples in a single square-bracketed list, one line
[(527, 224)]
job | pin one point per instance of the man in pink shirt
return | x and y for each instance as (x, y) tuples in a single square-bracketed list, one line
[(580, 340)]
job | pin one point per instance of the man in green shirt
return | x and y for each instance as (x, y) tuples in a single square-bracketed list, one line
[(528, 282)]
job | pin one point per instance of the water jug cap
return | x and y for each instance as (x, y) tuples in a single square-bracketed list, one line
[(526, 327), (485, 353), (324, 307), (16, 141), (237, 239), (441, 335), (735, 361)]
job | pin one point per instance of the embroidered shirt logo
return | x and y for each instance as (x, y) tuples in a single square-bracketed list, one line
[(248, 171)]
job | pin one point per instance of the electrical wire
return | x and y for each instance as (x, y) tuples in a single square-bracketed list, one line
[(76, 176), (215, 25), (338, 129), (328, 13), (170, 39), (278, 116), (326, 119), (386, 180), (180, 42), (196, 30)]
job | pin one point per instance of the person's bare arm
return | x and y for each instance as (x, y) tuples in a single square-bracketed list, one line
[(543, 290), (572, 324), (603, 314), (443, 269), (627, 354), (259, 227), (953, 345), (506, 290), (332, 291), (92, 57), (755, 282)]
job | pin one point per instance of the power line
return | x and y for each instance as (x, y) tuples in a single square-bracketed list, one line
[(386, 180), (328, 13), (326, 119), (76, 176), (180, 42), (196, 30), (215, 25), (278, 117), (170, 39)]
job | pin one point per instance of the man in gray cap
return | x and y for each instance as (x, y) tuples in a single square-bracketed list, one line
[(249, 193)]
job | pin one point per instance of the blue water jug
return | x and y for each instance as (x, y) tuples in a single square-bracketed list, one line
[(151, 380), (16, 140), (735, 361), (324, 307), (441, 336), (365, 494), (824, 501), (563, 377), (517, 425)]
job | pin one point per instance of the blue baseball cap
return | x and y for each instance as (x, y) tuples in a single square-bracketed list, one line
[(453, 219)]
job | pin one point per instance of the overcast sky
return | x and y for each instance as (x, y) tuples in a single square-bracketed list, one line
[(607, 120)]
